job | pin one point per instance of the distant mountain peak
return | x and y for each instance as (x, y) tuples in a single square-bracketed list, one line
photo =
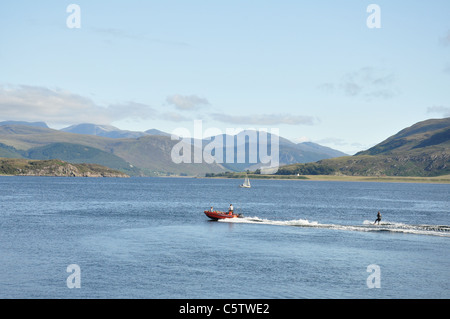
[(154, 131), (149, 152), (89, 128), (102, 130), (422, 134), (35, 124)]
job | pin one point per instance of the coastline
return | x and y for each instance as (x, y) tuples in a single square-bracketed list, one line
[(444, 179), (54, 168)]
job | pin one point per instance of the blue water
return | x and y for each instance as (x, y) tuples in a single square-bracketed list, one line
[(149, 238)]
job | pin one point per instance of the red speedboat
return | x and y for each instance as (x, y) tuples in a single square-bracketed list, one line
[(216, 215)]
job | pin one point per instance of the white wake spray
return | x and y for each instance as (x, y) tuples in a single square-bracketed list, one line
[(366, 226)]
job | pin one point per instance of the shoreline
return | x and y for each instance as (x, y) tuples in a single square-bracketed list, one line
[(445, 179)]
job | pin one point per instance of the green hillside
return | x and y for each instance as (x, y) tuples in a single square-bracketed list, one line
[(152, 154), (420, 150), (423, 165), (9, 151), (23, 137), (149, 154), (419, 136), (77, 154)]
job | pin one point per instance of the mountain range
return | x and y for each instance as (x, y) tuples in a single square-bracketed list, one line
[(134, 153), (109, 131), (422, 149)]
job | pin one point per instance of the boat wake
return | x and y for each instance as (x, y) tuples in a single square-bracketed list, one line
[(366, 226)]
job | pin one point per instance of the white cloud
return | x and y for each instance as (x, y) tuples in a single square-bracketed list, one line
[(186, 102), (439, 109), (174, 117), (60, 107), (264, 119), (446, 39), (351, 88), (447, 69), (326, 87), (368, 82), (343, 145), (301, 139), (34, 103), (114, 33), (132, 110), (333, 141)]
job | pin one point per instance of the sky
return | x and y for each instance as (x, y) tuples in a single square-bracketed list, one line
[(316, 70)]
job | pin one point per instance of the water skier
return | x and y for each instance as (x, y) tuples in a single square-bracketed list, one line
[(378, 219)]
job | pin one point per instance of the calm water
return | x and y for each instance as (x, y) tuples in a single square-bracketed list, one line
[(149, 238)]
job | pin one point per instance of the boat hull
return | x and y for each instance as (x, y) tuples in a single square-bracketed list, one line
[(219, 215)]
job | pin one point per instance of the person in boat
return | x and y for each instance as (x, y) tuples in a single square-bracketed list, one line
[(211, 209), (378, 219), (230, 209)]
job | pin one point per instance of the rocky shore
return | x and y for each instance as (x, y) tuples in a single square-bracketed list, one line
[(23, 167)]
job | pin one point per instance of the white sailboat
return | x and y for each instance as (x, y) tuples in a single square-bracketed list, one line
[(246, 183)]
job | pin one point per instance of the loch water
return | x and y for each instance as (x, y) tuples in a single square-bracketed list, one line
[(149, 238)]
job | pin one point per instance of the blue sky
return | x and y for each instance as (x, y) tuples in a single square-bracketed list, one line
[(312, 69)]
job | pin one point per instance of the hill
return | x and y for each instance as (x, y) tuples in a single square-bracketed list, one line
[(102, 130), (327, 152), (78, 154), (140, 153), (289, 152), (420, 136), (37, 124), (156, 132), (9, 151), (109, 131), (150, 154), (23, 167), (422, 149)]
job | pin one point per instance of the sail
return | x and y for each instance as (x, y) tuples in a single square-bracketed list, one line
[(246, 182)]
